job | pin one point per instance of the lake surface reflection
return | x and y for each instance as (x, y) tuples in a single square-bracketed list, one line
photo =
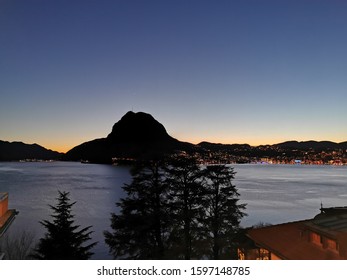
[(273, 193), (32, 186), (282, 193)]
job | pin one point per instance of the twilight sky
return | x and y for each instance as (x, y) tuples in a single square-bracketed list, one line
[(233, 71)]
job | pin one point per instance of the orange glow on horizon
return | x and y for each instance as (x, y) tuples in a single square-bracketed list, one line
[(61, 147), (58, 148), (65, 147)]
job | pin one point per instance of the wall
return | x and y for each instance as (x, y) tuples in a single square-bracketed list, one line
[(3, 203)]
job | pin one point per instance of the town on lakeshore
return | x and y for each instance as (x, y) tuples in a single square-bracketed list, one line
[(291, 152)]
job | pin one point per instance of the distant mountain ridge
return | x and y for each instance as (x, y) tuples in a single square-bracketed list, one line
[(218, 146), (14, 151), (139, 135), (315, 145), (290, 145)]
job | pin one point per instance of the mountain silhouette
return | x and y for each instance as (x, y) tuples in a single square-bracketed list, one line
[(312, 145), (139, 136), (14, 151), (135, 136), (138, 128)]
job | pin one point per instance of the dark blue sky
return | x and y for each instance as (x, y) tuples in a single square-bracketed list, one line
[(256, 72)]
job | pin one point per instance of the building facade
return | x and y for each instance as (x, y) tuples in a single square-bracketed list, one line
[(3, 204), (6, 215), (322, 238)]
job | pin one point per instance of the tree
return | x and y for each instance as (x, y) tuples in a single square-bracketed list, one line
[(175, 209), (140, 229), (64, 240), (17, 247), (185, 194), (223, 213)]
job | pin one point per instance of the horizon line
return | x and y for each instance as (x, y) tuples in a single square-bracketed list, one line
[(66, 149)]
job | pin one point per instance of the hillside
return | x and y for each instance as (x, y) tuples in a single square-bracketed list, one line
[(136, 135), (13, 151), (312, 145)]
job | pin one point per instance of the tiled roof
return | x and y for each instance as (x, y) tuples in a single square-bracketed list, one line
[(331, 220), (288, 241)]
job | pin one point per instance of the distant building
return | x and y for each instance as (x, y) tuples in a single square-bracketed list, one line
[(6, 215), (322, 238), (3, 203)]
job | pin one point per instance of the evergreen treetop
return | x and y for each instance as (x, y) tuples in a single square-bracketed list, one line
[(64, 240)]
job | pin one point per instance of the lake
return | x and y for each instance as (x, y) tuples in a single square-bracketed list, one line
[(273, 193)]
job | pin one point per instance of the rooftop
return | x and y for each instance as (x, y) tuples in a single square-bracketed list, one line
[(293, 241), (330, 220)]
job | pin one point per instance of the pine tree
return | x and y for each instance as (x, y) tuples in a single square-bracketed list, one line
[(64, 240), (177, 210), (139, 231), (186, 194), (223, 213)]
